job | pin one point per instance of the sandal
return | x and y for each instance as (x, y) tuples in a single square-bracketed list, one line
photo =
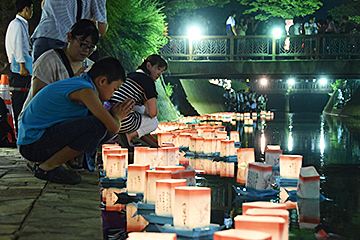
[(57, 175), (75, 167)]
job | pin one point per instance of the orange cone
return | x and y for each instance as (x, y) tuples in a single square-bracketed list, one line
[(5, 95)]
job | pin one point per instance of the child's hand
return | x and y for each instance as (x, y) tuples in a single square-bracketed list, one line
[(123, 109), (80, 71)]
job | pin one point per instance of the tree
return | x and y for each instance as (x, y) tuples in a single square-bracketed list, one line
[(136, 30), (351, 9), (280, 8)]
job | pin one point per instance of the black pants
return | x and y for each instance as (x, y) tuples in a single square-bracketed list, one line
[(18, 97)]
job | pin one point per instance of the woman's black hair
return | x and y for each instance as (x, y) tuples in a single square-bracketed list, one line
[(154, 59), (83, 29)]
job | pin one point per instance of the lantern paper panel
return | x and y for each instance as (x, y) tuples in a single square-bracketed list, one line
[(151, 177), (259, 176), (136, 180), (290, 166), (308, 183)]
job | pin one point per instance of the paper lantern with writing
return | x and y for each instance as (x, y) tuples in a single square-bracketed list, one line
[(109, 149), (172, 156), (240, 234), (262, 204), (259, 176), (309, 183), (245, 156), (136, 180), (290, 166), (151, 236), (272, 213), (165, 137), (227, 148), (151, 156), (309, 213), (134, 223), (221, 134), (199, 145), (140, 155), (116, 166), (184, 139), (272, 157), (110, 198), (234, 135), (151, 177), (272, 225), (208, 133), (209, 147), (162, 157), (192, 207), (165, 195), (192, 144)]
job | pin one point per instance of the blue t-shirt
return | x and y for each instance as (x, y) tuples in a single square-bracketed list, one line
[(51, 105)]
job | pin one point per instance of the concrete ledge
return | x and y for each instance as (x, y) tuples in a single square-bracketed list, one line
[(34, 209)]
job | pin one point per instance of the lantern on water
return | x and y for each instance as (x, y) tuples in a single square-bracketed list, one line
[(165, 137), (110, 198), (272, 225), (192, 207), (234, 135), (290, 166), (259, 176), (262, 204), (140, 155), (165, 195), (239, 234), (134, 222), (136, 180), (116, 166), (227, 148), (308, 183), (151, 177)]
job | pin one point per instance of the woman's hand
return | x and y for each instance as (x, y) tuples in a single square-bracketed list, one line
[(80, 71), (123, 109)]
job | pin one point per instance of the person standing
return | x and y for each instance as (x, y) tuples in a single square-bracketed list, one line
[(18, 49), (230, 24), (58, 16)]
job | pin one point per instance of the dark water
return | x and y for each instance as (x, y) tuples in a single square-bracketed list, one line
[(330, 145)]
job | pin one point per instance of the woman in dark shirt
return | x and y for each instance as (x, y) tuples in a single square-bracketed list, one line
[(140, 86)]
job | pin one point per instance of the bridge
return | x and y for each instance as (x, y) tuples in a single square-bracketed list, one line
[(306, 59), (254, 57)]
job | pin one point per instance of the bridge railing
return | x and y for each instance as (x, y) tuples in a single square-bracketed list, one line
[(297, 87), (262, 47)]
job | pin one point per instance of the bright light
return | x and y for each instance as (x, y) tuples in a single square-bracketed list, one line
[(291, 81), (277, 33), (323, 81), (194, 32), (263, 81)]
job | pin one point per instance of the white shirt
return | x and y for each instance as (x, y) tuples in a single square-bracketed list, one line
[(312, 30), (17, 40), (230, 22)]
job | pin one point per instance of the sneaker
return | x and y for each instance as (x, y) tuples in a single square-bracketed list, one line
[(30, 167), (57, 175)]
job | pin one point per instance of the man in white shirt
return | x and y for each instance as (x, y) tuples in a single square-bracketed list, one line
[(230, 24), (18, 49)]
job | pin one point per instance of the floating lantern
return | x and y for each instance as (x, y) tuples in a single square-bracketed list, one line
[(259, 176), (192, 207), (192, 144), (248, 129), (239, 234), (309, 183), (241, 174), (140, 155), (290, 166), (208, 133), (110, 198), (245, 156), (272, 213), (151, 236), (116, 166), (109, 149), (227, 148), (272, 225), (199, 145), (221, 134), (184, 139), (151, 156), (165, 195), (134, 223), (272, 157), (262, 204), (172, 156), (309, 213), (151, 177), (234, 135), (165, 137), (208, 144), (170, 168), (136, 180), (161, 157)]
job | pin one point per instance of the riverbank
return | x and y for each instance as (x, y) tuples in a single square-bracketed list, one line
[(350, 109), (32, 209)]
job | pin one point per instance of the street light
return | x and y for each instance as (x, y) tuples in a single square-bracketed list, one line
[(277, 33), (291, 81), (263, 81), (323, 81), (194, 32)]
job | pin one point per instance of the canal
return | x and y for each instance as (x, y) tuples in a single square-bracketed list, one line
[(329, 144)]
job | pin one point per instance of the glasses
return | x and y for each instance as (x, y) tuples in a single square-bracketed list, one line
[(84, 46)]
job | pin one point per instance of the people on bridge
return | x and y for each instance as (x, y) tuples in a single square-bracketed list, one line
[(230, 24)]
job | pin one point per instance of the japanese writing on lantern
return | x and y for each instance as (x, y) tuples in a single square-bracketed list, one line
[(252, 179), (184, 217)]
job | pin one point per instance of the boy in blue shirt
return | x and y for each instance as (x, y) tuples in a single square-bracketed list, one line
[(56, 126)]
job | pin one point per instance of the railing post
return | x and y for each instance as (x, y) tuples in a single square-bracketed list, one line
[(273, 48), (232, 47), (317, 48), (191, 49)]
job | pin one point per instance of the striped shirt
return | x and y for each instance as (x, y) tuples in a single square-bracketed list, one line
[(58, 16), (140, 87)]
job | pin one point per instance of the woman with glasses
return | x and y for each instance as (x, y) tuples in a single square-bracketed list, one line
[(71, 61)]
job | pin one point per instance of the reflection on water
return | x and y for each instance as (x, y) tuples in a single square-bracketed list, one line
[(330, 145)]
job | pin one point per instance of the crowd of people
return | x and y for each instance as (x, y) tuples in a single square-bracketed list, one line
[(74, 104), (242, 101)]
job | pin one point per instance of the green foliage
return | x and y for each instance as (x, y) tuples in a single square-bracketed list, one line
[(136, 30), (337, 84), (280, 8), (350, 9), (174, 6), (169, 89)]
